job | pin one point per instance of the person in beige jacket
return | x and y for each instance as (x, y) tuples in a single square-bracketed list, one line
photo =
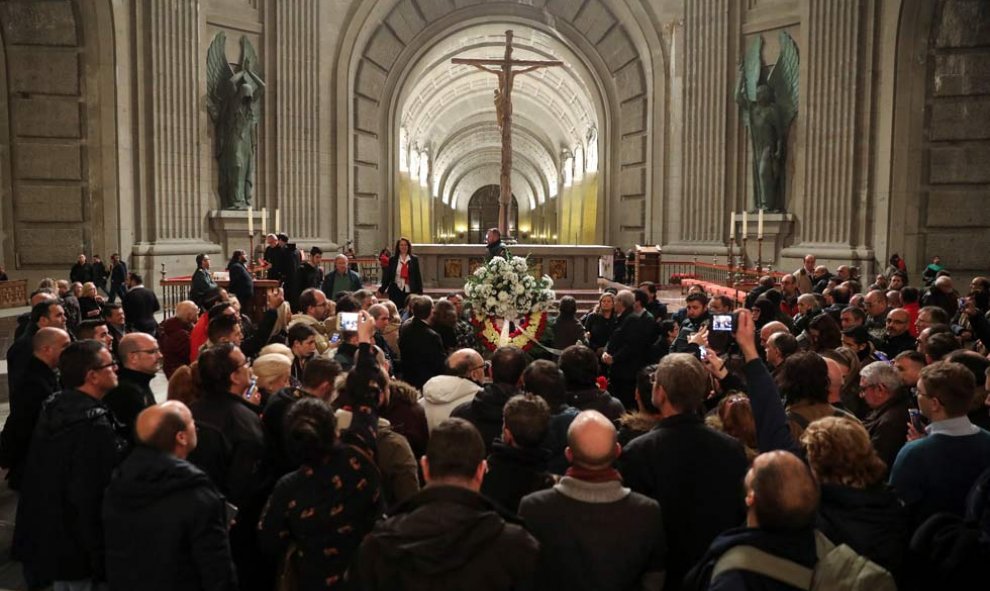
[(442, 394)]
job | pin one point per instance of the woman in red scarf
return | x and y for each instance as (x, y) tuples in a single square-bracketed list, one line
[(402, 277)]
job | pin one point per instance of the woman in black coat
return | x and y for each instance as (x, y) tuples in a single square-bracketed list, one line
[(241, 281), (402, 277)]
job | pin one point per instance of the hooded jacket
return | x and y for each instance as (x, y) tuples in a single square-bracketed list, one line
[(75, 447), (173, 339), (442, 394), (513, 473), (595, 399), (394, 457), (166, 527), (132, 395), (447, 537), (485, 411)]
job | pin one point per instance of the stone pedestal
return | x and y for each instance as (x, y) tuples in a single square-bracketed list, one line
[(229, 229), (777, 231), (570, 267)]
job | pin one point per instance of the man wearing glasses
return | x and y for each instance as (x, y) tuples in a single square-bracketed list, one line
[(141, 359), (58, 534), (897, 338)]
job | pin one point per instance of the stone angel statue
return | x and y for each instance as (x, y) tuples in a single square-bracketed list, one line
[(234, 104), (768, 104)]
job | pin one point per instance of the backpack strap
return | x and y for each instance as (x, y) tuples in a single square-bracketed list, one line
[(757, 561)]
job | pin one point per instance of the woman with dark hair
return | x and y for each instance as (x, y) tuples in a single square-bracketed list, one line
[(567, 330), (824, 333), (241, 281), (803, 382), (402, 277), (601, 322), (317, 516)]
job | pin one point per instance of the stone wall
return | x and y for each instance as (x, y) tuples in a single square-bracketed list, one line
[(957, 138)]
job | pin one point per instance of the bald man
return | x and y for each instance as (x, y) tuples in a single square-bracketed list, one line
[(442, 394), (595, 533), (141, 359), (165, 522), (173, 336), (769, 329), (897, 335), (39, 382), (781, 504)]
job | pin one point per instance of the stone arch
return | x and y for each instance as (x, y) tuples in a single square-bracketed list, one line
[(383, 40), (59, 156)]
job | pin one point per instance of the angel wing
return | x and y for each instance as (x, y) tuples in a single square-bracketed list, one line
[(784, 79), (753, 67), (218, 73), (249, 58)]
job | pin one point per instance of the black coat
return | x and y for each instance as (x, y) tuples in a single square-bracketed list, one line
[(796, 546), (422, 352), (871, 521), (118, 273), (887, 426), (513, 473), (166, 527), (601, 329), (202, 282), (140, 305), (447, 538), (99, 273), (630, 345), (19, 356), (39, 382), (241, 284), (81, 273), (696, 474), (484, 411), (132, 395), (75, 447), (413, 285)]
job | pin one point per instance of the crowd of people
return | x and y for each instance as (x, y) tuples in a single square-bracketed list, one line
[(363, 438)]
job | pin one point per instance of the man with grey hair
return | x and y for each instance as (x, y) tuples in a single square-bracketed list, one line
[(627, 350), (698, 504), (771, 328), (595, 533), (881, 387), (779, 347), (366, 298), (341, 279)]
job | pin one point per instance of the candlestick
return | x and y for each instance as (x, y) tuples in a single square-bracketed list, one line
[(745, 227), (731, 261), (278, 223), (732, 226), (759, 225), (759, 251), (250, 221), (264, 221)]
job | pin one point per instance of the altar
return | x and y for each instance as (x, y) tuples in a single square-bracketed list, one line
[(570, 266)]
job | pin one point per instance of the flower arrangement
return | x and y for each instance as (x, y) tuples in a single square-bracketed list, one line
[(502, 291)]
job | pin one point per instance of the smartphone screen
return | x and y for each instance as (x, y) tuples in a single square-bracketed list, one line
[(335, 337), (919, 420), (722, 322), (349, 321)]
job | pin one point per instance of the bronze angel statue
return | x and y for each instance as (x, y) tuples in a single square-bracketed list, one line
[(234, 103), (768, 104)]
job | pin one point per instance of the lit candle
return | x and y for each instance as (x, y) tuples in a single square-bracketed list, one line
[(732, 227), (278, 223), (759, 226), (264, 221), (745, 228), (250, 220)]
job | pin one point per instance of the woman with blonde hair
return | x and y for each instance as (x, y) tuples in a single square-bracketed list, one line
[(391, 330), (857, 507), (272, 372), (89, 305)]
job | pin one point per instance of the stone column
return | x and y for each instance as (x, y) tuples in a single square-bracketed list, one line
[(835, 91), (710, 32), (172, 144), (294, 103)]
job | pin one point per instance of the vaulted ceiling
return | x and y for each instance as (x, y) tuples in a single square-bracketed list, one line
[(449, 111)]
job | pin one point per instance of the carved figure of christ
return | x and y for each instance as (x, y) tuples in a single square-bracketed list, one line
[(506, 69)]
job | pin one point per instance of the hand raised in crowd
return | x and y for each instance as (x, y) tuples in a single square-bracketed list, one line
[(275, 298), (746, 335), (700, 338), (366, 327), (913, 433)]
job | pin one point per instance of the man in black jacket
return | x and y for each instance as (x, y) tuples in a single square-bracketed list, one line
[(47, 313), (628, 348), (118, 277), (697, 316), (448, 536), (202, 280), (485, 410), (694, 472), (99, 273), (76, 445), (81, 271), (165, 521), (141, 359), (517, 464), (40, 381), (241, 281), (140, 305), (420, 347)]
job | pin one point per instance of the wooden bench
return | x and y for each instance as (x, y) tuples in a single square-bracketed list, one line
[(738, 294)]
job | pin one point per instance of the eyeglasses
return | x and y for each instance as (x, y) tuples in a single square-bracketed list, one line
[(485, 366), (154, 351), (99, 367)]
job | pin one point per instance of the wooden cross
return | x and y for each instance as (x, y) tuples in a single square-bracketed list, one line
[(504, 69)]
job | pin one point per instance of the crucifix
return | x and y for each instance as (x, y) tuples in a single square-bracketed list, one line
[(505, 70)]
